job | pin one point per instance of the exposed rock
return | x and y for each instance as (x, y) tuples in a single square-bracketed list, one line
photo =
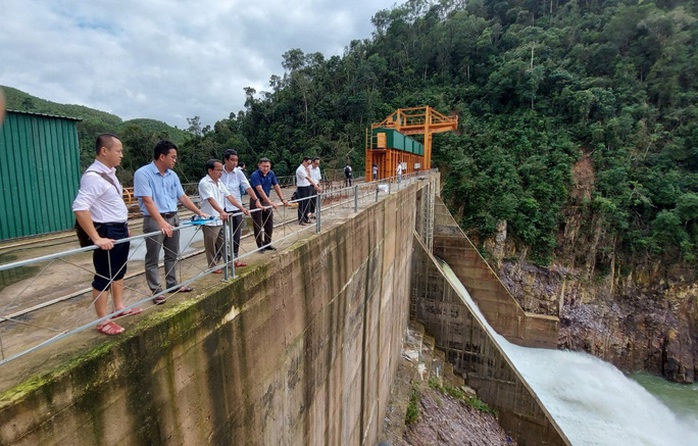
[(650, 328), (637, 313), (446, 421), (442, 419)]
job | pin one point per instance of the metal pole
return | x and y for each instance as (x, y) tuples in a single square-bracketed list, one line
[(318, 214), (226, 246), (356, 199)]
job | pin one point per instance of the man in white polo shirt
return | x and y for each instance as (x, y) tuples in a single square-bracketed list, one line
[(100, 211), (214, 195), (235, 180), (304, 189), (317, 179)]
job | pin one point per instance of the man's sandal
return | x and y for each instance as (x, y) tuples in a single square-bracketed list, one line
[(110, 328)]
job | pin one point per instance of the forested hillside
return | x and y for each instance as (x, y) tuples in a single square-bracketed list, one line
[(578, 119), (543, 89)]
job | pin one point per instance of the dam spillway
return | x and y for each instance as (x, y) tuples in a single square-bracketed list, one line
[(592, 401)]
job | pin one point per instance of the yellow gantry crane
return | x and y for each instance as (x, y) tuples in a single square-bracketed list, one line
[(386, 149)]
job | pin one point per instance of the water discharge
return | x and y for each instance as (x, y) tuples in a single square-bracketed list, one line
[(592, 401)]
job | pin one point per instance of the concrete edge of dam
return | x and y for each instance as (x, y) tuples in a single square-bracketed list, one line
[(300, 349)]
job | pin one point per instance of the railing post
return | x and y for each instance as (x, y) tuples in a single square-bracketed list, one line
[(226, 246), (356, 199), (318, 213)]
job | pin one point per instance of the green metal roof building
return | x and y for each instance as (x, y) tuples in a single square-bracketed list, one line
[(39, 173)]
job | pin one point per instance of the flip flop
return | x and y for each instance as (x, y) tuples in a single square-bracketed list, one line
[(185, 289), (128, 312), (110, 328)]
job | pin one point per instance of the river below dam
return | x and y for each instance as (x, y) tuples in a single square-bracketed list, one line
[(593, 402), (681, 398)]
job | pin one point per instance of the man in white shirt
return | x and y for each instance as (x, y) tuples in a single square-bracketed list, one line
[(305, 185), (399, 173), (235, 180), (317, 179), (214, 195), (100, 211)]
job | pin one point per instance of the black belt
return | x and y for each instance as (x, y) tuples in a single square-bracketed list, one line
[(168, 214), (112, 224)]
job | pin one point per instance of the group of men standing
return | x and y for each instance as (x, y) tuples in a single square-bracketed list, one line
[(101, 212)]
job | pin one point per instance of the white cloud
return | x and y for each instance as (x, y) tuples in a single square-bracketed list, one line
[(166, 59)]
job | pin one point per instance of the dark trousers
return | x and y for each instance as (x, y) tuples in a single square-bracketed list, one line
[(237, 231), (110, 265), (303, 193), (263, 220), (347, 181), (313, 201)]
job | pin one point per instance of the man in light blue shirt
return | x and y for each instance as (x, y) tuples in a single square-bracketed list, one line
[(159, 190)]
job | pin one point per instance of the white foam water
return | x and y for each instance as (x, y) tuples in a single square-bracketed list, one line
[(592, 401)]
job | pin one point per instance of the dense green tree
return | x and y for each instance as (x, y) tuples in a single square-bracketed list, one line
[(537, 85)]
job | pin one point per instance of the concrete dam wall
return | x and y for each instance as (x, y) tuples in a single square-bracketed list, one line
[(300, 349)]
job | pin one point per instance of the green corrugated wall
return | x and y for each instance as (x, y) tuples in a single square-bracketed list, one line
[(397, 140), (39, 174)]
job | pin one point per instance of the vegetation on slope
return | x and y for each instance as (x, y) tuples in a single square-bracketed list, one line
[(538, 86)]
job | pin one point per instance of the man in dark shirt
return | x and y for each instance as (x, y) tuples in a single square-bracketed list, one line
[(262, 180), (347, 175)]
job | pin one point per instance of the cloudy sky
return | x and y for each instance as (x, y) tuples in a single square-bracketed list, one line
[(167, 59)]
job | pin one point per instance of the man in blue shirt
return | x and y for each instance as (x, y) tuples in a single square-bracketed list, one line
[(158, 190), (262, 180)]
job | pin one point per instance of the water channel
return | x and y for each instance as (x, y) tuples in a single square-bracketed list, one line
[(593, 402)]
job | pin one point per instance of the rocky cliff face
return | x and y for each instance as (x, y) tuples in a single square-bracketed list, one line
[(634, 327), (638, 314)]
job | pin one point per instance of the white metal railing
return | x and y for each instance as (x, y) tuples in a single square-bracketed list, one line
[(57, 277)]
